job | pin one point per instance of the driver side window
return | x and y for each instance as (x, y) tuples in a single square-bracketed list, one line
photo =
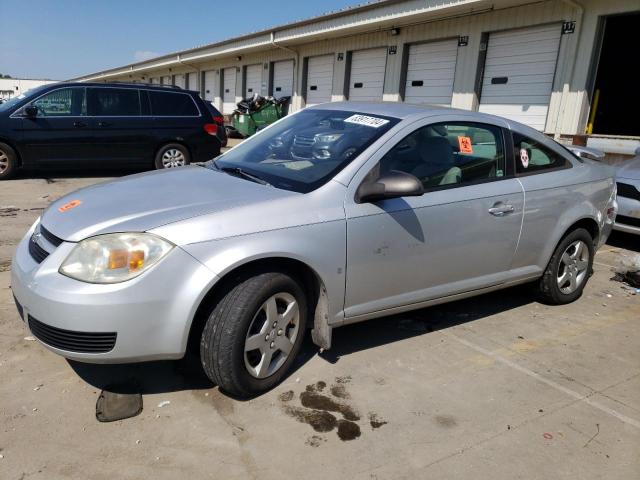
[(444, 155), (64, 102)]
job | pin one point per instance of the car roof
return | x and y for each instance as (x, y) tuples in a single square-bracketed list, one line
[(152, 86)]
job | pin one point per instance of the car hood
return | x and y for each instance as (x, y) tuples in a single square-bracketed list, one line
[(630, 170), (138, 203)]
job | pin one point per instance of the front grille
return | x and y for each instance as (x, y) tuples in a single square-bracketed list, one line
[(50, 237), (301, 141), (37, 252), (631, 221), (79, 342), (628, 191)]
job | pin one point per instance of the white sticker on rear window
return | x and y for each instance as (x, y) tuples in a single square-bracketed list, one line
[(366, 121)]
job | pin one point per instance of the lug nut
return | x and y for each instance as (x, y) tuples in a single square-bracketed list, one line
[(275, 324), (266, 338), (273, 344), (279, 332)]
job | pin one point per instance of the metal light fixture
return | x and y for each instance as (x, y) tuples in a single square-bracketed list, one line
[(395, 31)]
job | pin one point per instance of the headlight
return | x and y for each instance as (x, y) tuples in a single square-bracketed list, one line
[(328, 138), (115, 257)]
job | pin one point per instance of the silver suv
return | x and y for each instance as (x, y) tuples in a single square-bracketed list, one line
[(336, 214)]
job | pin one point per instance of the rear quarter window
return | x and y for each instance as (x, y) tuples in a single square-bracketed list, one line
[(533, 157), (172, 104)]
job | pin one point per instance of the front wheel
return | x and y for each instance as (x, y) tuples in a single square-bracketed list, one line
[(568, 270), (8, 161), (172, 155), (254, 333)]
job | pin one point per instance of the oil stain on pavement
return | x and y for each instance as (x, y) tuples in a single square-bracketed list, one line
[(321, 410)]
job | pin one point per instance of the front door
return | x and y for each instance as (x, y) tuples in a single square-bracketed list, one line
[(60, 133), (459, 236)]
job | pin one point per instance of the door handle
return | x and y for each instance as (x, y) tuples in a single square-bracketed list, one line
[(79, 124), (502, 210), (104, 124)]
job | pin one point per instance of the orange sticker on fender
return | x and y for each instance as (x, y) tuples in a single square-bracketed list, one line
[(69, 206), (465, 145)]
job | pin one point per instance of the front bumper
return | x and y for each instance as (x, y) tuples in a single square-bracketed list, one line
[(146, 318), (628, 218)]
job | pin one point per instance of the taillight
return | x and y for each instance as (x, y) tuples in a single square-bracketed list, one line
[(211, 128), (219, 120)]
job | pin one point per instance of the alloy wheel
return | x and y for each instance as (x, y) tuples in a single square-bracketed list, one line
[(173, 158), (4, 162), (573, 266), (272, 335)]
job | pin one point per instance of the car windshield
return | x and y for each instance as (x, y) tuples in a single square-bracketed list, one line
[(304, 151)]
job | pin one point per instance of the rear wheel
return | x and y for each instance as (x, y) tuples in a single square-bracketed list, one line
[(8, 161), (172, 155), (254, 333), (568, 270)]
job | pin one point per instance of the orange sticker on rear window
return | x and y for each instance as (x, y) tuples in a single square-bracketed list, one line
[(465, 145), (69, 206)]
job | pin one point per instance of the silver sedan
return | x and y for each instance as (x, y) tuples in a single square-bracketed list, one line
[(336, 214), (628, 178)]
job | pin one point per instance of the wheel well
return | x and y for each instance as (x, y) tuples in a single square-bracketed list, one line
[(17, 152), (308, 278), (589, 224)]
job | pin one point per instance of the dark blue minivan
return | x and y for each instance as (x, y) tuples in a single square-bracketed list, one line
[(101, 125)]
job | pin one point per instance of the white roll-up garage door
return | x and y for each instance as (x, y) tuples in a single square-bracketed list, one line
[(229, 93), (210, 85), (283, 79), (192, 81), (153, 80), (179, 80), (366, 81), (431, 68), (518, 74), (253, 80), (165, 80), (319, 79)]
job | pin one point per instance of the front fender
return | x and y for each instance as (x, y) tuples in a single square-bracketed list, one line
[(320, 246)]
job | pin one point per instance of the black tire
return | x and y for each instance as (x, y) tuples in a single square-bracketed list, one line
[(548, 289), (160, 162), (222, 345), (8, 162)]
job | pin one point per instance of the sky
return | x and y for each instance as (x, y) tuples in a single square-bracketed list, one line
[(61, 39)]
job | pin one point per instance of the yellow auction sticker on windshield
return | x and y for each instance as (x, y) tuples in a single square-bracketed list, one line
[(366, 120)]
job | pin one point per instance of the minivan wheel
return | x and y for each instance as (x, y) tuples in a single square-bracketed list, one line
[(568, 270), (8, 161), (172, 155), (254, 333)]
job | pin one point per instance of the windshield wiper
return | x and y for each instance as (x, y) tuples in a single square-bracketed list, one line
[(238, 172)]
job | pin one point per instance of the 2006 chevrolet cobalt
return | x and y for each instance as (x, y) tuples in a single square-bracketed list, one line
[(336, 214)]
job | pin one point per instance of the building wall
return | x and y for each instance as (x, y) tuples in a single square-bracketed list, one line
[(569, 104), (12, 87)]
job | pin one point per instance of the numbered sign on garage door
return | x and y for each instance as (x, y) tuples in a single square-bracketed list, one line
[(253, 80), (283, 79), (229, 90), (366, 81), (431, 68), (319, 79), (210, 85), (518, 74)]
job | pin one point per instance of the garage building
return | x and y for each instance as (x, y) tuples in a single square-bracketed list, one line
[(554, 65)]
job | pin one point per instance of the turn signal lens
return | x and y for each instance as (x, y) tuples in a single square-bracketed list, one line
[(115, 257)]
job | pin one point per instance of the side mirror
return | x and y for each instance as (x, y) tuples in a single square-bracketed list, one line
[(391, 185), (31, 111)]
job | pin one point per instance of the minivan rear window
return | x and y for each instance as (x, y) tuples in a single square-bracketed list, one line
[(113, 102), (172, 104)]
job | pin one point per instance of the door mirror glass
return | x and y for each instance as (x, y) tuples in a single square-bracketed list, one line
[(31, 111), (393, 184)]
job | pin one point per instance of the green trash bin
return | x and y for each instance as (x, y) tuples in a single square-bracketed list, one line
[(244, 124), (266, 115)]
